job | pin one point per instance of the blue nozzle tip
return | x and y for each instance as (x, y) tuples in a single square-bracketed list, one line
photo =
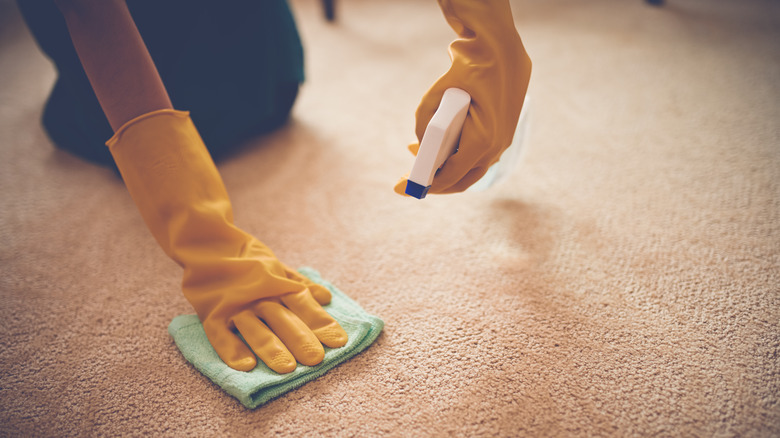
[(416, 190)]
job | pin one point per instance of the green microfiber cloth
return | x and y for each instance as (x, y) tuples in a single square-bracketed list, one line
[(260, 385)]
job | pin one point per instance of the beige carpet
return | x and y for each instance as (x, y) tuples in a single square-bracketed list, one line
[(625, 281)]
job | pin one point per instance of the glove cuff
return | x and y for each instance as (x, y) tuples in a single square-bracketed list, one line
[(116, 138)]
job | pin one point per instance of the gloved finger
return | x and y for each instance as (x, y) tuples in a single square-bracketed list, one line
[(428, 106), (327, 330), (293, 332), (464, 167), (318, 291), (400, 186), (267, 346), (230, 348), (457, 183)]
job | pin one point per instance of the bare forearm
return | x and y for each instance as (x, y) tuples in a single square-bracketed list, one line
[(114, 58)]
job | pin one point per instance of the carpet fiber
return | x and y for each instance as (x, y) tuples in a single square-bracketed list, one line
[(625, 280)]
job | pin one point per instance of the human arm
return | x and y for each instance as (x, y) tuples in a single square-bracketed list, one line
[(115, 59), (235, 283)]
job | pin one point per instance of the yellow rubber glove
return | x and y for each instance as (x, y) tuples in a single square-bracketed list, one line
[(491, 64), (234, 282)]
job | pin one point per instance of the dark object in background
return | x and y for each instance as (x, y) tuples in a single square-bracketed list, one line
[(329, 8)]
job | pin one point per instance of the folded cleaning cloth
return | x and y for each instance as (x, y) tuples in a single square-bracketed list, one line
[(260, 385)]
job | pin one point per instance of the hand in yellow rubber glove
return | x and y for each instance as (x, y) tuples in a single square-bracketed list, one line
[(491, 64), (234, 282)]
